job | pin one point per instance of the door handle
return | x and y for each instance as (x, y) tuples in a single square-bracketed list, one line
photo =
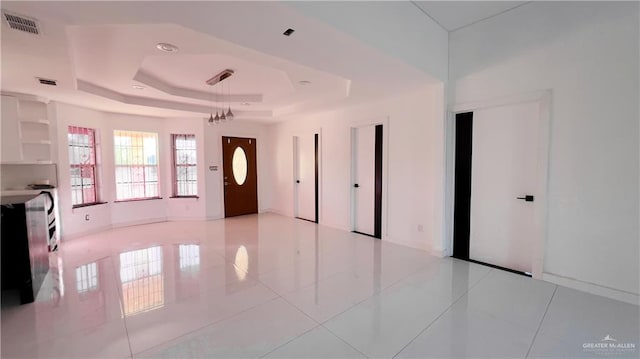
[(527, 198), (356, 185)]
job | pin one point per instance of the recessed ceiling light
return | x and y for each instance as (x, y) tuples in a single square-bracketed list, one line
[(166, 47), (138, 87), (288, 32), (304, 82)]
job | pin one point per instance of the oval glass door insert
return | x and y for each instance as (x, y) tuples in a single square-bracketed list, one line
[(239, 165)]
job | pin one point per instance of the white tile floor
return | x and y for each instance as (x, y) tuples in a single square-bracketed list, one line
[(275, 287)]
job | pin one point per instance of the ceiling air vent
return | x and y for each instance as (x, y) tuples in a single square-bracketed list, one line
[(22, 23), (47, 82)]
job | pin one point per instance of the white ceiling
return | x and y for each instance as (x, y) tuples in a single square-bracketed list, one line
[(453, 15), (98, 50), (177, 80)]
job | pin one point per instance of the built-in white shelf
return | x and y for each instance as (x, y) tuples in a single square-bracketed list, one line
[(37, 121), (36, 142), (42, 162), (27, 135)]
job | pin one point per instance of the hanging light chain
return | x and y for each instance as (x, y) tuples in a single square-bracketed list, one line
[(211, 121), (220, 98), (230, 114)]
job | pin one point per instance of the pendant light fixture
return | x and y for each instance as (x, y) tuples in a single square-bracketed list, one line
[(230, 115), (217, 118), (223, 117), (211, 120)]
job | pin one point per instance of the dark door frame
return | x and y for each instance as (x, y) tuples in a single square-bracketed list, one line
[(316, 176), (462, 184), (316, 143), (379, 189), (377, 231)]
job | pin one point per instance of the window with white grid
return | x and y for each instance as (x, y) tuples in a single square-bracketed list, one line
[(82, 162), (136, 164), (185, 174)]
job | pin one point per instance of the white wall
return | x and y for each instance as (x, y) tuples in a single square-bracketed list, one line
[(587, 53), (414, 164), (209, 205)]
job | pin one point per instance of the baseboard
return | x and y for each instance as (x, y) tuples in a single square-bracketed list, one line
[(335, 226), (277, 211), (179, 219), (72, 236), (138, 223), (68, 237), (596, 289), (436, 253), (411, 244)]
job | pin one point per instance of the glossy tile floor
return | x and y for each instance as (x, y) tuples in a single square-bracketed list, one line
[(275, 287)]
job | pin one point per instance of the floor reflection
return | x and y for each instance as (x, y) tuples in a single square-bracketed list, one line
[(87, 278), (187, 281), (92, 303), (142, 280), (242, 250), (241, 263), (189, 257), (60, 273)]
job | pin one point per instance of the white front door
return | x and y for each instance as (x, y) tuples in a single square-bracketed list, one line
[(304, 147), (364, 179), (503, 168)]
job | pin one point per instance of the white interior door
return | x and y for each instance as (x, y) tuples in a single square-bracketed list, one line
[(364, 179), (504, 167), (305, 177)]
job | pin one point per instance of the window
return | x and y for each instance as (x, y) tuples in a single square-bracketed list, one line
[(239, 165), (82, 160), (185, 174), (136, 163)]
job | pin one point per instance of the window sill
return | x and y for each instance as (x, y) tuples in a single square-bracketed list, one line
[(177, 197), (137, 199), (88, 205)]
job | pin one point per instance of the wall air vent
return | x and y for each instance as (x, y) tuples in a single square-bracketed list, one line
[(47, 82), (21, 23)]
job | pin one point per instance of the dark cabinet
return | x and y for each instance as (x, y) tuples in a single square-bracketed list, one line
[(25, 253)]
